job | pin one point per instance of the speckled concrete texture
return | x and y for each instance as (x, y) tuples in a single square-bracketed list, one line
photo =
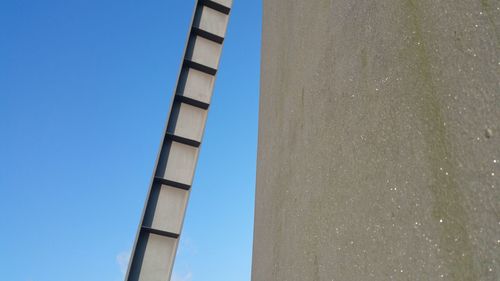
[(379, 141)]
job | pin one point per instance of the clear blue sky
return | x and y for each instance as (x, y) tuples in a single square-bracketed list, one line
[(84, 92)]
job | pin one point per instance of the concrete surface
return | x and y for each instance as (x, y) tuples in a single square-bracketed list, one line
[(189, 121), (177, 162), (379, 141), (211, 21), (196, 85), (167, 208), (156, 258), (204, 51)]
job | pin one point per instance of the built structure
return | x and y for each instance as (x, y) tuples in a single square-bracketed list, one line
[(379, 141), (158, 234)]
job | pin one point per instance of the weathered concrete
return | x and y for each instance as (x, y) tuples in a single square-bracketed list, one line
[(379, 141)]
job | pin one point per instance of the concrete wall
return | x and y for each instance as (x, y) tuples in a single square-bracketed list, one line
[(379, 141)]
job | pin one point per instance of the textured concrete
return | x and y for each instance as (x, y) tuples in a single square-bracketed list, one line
[(379, 141)]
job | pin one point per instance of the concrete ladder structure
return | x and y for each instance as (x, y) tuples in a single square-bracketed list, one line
[(157, 239)]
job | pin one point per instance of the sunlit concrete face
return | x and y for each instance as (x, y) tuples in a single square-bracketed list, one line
[(196, 85), (212, 21), (204, 51), (379, 141), (178, 164), (189, 121)]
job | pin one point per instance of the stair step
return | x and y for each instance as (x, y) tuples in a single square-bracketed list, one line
[(160, 232), (207, 35), (216, 6), (172, 183)]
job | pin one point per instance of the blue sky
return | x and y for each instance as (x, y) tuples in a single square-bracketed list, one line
[(85, 87)]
